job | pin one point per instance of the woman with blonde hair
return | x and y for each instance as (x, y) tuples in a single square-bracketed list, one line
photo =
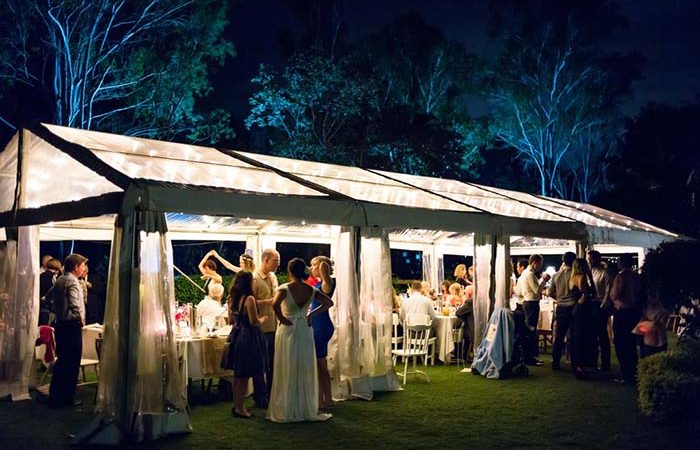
[(582, 330), (322, 269), (456, 297), (461, 275)]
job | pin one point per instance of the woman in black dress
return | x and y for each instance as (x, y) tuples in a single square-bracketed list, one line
[(247, 356), (582, 327)]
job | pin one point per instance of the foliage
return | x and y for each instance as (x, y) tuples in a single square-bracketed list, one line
[(185, 292), (136, 68), (392, 100), (659, 164), (310, 104), (554, 94), (670, 273), (669, 383)]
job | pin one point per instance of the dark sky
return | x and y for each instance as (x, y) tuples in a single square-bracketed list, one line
[(666, 32)]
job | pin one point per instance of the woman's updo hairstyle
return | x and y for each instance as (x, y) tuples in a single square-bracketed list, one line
[(297, 268)]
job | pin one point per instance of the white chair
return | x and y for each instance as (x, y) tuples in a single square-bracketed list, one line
[(395, 338), (416, 334), (432, 341), (40, 352)]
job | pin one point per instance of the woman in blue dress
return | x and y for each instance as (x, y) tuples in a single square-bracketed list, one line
[(322, 268)]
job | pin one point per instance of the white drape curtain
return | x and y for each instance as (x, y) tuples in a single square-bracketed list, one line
[(159, 386), (483, 248), (375, 311), (19, 312), (108, 391), (344, 347), (504, 271)]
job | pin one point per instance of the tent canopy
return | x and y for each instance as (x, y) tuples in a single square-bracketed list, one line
[(53, 173)]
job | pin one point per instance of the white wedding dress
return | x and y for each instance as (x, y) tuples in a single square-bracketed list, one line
[(294, 396)]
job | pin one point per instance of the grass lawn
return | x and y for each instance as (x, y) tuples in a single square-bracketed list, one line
[(455, 410)]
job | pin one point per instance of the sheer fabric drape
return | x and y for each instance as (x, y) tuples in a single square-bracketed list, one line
[(483, 248), (19, 311), (344, 347)]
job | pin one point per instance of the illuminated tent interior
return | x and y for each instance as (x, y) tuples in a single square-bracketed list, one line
[(60, 183)]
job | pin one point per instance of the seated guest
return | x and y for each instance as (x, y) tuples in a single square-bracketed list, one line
[(456, 296), (427, 290), (210, 308), (395, 301), (445, 288), (465, 314), (416, 303)]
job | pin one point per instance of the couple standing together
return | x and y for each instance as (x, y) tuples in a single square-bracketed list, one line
[(260, 348)]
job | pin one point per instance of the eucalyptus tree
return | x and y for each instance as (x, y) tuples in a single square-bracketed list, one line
[(136, 67), (555, 90)]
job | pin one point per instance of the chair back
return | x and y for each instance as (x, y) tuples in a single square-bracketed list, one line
[(418, 319), (416, 337)]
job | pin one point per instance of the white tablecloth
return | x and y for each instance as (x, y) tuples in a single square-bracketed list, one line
[(201, 357), (546, 313), (91, 333), (442, 327)]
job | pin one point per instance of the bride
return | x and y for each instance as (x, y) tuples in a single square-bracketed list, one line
[(294, 396)]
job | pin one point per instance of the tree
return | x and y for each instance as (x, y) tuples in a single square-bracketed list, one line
[(654, 176), (136, 67), (554, 96), (309, 105)]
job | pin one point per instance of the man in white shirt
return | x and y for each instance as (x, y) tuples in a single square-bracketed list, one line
[(416, 303), (529, 290)]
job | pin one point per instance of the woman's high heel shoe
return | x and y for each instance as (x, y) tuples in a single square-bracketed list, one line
[(240, 415)]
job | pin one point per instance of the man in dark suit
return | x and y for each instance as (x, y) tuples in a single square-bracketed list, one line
[(69, 303)]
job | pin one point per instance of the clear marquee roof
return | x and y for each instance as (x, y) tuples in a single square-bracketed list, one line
[(71, 173)]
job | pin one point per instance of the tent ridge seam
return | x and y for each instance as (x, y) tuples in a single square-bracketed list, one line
[(287, 175), (484, 188), (82, 155), (432, 192)]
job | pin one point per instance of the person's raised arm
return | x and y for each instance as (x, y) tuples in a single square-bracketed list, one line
[(277, 307), (201, 263), (225, 263), (325, 272), (252, 310)]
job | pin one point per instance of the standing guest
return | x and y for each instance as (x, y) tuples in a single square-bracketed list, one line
[(67, 297), (416, 303), (247, 356), (653, 328), (46, 282), (461, 275), (264, 285), (322, 269), (626, 297), (207, 268), (565, 301), (529, 290), (294, 395), (602, 308), (44, 260), (582, 327)]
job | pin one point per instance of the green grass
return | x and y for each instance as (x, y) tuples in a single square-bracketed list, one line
[(455, 410)]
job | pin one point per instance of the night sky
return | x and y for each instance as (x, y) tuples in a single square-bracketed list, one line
[(666, 32)]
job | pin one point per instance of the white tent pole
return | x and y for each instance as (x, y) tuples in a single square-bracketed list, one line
[(189, 279)]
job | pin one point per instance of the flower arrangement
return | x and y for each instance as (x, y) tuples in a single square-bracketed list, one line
[(182, 319)]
